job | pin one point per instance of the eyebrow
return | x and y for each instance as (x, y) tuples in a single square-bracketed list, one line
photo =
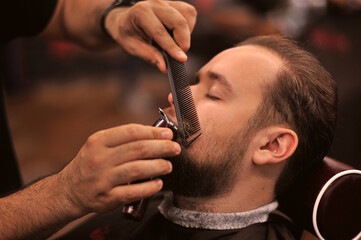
[(222, 80)]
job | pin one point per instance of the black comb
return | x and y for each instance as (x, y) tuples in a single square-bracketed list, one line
[(187, 118)]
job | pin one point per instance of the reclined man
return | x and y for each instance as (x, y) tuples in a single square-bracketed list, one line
[(267, 110)]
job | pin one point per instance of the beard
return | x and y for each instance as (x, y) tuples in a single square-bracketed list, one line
[(207, 168)]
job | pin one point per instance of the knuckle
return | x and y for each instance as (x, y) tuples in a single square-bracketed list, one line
[(181, 23), (159, 32), (191, 10), (130, 47), (133, 172), (186, 46), (125, 172), (157, 2), (93, 139), (140, 148), (132, 129), (163, 165), (150, 58), (96, 161), (156, 132), (129, 196), (140, 7), (104, 134)]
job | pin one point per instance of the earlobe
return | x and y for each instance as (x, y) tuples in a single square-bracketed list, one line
[(276, 145)]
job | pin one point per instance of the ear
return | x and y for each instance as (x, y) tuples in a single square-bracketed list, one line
[(274, 145)]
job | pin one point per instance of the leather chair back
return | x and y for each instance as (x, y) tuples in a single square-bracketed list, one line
[(328, 203)]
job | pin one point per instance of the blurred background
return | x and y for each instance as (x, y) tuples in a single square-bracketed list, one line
[(58, 94)]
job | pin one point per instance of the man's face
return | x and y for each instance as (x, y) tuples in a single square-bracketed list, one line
[(227, 94)]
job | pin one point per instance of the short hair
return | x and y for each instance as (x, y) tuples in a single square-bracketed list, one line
[(304, 96)]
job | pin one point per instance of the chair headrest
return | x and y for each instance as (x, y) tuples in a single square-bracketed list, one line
[(328, 202)]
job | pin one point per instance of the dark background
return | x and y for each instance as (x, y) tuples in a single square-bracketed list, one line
[(58, 94)]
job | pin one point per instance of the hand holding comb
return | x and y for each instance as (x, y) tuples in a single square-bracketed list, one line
[(187, 118)]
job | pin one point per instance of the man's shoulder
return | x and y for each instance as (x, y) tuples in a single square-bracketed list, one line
[(277, 227), (154, 226)]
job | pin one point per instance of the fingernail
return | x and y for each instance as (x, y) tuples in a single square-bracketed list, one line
[(159, 182), (170, 166), (166, 134), (181, 54), (177, 147)]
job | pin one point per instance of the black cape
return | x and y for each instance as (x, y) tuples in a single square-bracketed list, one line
[(154, 226)]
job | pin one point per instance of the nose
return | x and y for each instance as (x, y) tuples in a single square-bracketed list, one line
[(194, 95), (170, 100)]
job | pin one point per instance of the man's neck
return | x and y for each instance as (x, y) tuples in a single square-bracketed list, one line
[(213, 221), (238, 199), (209, 205)]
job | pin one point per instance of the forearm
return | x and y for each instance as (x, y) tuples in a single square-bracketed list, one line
[(96, 180), (78, 21), (131, 28), (37, 211)]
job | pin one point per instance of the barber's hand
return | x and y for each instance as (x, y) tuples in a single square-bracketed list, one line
[(97, 178), (135, 27)]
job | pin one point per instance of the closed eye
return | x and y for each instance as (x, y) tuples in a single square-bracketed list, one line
[(212, 97)]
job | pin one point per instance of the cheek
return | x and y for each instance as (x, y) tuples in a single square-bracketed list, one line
[(215, 116), (214, 127), (208, 110), (209, 118)]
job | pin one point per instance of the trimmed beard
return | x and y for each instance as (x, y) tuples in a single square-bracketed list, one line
[(208, 171)]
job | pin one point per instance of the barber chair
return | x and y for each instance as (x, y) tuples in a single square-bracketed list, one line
[(328, 203)]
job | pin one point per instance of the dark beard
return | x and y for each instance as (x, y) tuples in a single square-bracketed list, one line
[(213, 175)]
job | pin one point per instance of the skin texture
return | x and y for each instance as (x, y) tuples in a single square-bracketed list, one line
[(96, 180), (227, 95)]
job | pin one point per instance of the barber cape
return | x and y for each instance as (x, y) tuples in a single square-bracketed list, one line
[(163, 221)]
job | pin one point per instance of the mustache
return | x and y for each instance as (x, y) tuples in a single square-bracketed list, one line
[(171, 113)]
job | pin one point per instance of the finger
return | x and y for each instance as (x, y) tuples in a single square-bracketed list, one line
[(128, 133), (145, 149), (181, 36), (183, 24), (188, 11), (175, 21), (144, 50), (139, 170), (130, 193), (154, 28)]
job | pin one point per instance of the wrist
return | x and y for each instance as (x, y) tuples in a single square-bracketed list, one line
[(67, 196), (116, 4)]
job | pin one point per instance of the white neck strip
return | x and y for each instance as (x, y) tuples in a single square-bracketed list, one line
[(214, 221)]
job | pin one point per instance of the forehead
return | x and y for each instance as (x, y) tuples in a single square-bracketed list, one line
[(251, 65)]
